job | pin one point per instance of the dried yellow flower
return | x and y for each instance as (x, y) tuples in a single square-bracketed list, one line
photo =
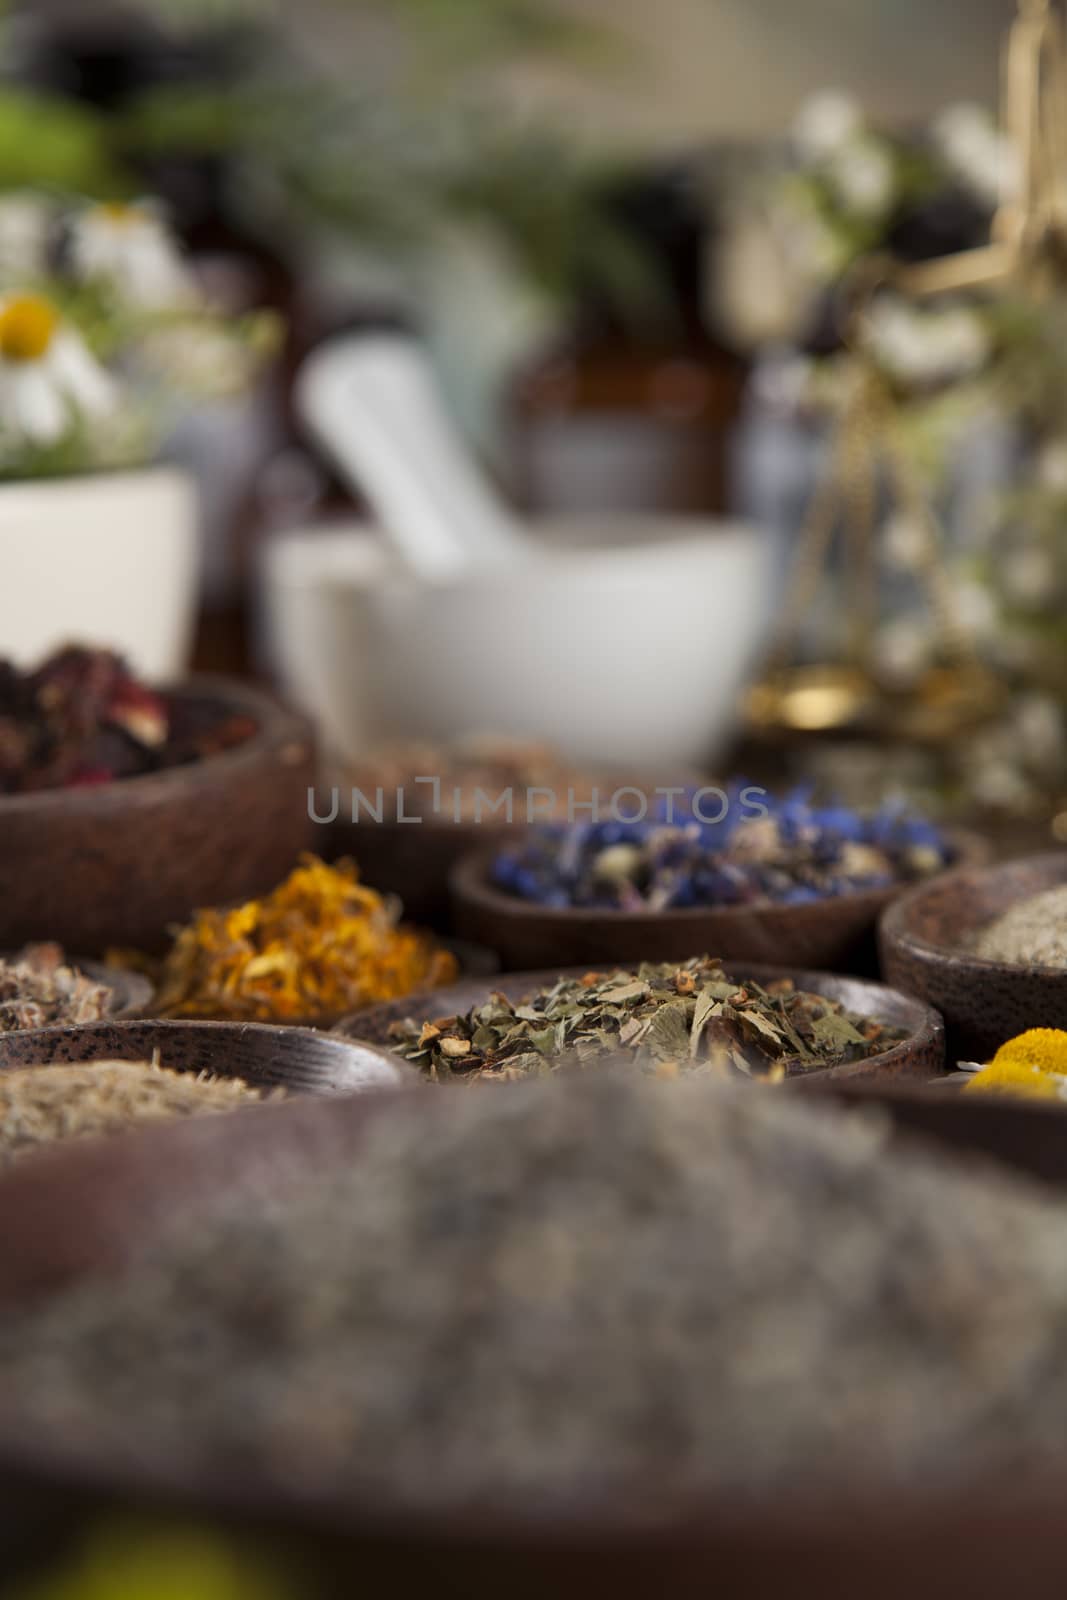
[(1033, 1064), (1042, 1048), (319, 945), (1016, 1078)]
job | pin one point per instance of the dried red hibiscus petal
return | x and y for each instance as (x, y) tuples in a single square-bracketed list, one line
[(82, 719)]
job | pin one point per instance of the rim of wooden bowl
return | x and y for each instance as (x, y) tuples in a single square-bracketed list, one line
[(337, 1065), (277, 726), (895, 922), (470, 882), (926, 1029)]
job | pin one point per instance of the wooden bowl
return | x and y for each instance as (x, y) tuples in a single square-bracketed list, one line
[(115, 865), (925, 938), (919, 1056), (915, 1540), (836, 934), (297, 1059), (1030, 1136)]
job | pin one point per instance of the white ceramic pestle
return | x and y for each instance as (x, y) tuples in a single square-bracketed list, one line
[(372, 402)]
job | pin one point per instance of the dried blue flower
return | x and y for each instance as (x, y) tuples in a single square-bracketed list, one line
[(790, 851)]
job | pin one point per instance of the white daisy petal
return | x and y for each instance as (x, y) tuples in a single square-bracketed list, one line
[(81, 377), (132, 247), (49, 380), (825, 123), (36, 404)]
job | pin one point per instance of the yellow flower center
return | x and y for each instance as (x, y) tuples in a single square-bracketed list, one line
[(27, 325), (1043, 1048), (1015, 1077), (118, 212)]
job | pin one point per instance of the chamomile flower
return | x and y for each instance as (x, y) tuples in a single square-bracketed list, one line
[(902, 650), (977, 153), (825, 123), (48, 377), (927, 347), (131, 247)]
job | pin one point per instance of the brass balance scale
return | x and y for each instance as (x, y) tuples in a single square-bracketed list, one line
[(1027, 251)]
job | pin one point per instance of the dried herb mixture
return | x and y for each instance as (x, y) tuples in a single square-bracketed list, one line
[(39, 990), (552, 1299), (318, 945), (764, 849), (668, 1018), (1031, 933), (46, 1105), (82, 718)]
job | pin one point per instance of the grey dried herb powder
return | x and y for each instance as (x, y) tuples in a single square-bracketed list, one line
[(579, 1287)]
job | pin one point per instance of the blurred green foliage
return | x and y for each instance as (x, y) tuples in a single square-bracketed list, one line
[(317, 154), (487, 27), (385, 146), (50, 143)]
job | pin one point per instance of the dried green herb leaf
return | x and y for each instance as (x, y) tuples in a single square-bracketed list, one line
[(668, 1036), (624, 993), (763, 1024), (666, 1017), (835, 1032), (705, 1006), (543, 1040)]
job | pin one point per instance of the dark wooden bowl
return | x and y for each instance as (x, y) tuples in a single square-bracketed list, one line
[(919, 1540), (920, 1056), (117, 864), (297, 1059), (836, 934), (925, 937)]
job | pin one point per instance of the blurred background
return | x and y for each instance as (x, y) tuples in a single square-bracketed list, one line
[(531, 181), (623, 237)]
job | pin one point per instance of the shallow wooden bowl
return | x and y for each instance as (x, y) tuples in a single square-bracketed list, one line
[(917, 1540), (924, 938), (836, 934), (299, 1060), (115, 865), (919, 1056)]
